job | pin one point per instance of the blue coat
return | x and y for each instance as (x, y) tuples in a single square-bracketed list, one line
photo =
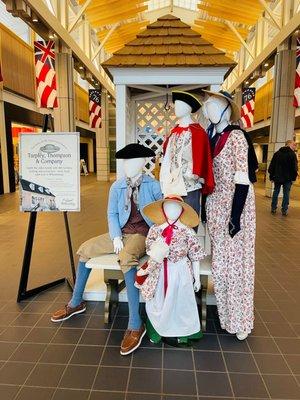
[(149, 191)]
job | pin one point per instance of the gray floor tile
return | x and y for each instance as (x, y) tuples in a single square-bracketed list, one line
[(262, 345), (38, 307), (213, 384), (8, 392), (29, 352), (282, 387), (45, 375), (78, 321), (7, 349), (78, 377), (147, 358), (259, 330), (67, 336), (26, 320), (57, 354), (280, 330), (240, 362), (6, 318), (248, 385), (231, 343), (208, 342), (14, 334), (179, 382), (111, 379), (94, 337), (294, 362), (40, 335), (32, 393), (178, 359), (69, 394), (271, 364), (97, 322), (289, 346), (15, 372), (145, 380), (112, 357), (144, 396), (97, 395), (209, 361), (87, 355)]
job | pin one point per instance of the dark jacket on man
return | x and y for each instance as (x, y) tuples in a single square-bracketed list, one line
[(284, 166)]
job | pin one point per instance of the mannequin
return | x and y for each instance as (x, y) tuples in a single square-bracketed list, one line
[(187, 165), (231, 216), (172, 272), (128, 228)]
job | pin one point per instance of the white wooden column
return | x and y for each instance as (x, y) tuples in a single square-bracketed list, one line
[(283, 113), (122, 99), (3, 145), (64, 115), (102, 141)]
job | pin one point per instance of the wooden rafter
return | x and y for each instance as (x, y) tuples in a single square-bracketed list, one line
[(116, 17), (217, 12)]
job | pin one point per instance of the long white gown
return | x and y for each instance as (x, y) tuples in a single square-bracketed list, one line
[(174, 314)]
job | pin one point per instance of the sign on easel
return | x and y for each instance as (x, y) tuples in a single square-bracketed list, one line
[(49, 173)]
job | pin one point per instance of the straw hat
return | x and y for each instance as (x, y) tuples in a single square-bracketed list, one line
[(235, 114), (154, 211)]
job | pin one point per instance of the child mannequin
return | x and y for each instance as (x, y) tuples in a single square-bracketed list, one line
[(173, 271)]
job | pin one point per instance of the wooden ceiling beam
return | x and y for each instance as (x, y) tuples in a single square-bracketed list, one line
[(119, 17), (235, 10), (221, 31), (217, 24), (215, 12), (110, 11), (253, 4)]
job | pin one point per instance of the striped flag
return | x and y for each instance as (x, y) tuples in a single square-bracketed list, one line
[(297, 78), (45, 76), (95, 108), (247, 114)]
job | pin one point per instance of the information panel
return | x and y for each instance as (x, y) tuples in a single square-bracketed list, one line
[(49, 171)]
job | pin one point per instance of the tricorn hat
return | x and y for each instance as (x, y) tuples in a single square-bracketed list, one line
[(134, 150), (235, 114), (188, 98), (154, 211)]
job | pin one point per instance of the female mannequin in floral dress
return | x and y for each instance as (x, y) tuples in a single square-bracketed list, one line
[(231, 216)]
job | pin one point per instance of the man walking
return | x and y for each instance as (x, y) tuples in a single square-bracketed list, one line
[(283, 171)]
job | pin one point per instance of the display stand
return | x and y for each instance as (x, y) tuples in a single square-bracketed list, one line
[(23, 293)]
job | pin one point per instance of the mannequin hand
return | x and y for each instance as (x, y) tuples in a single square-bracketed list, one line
[(196, 271), (234, 226), (197, 284), (158, 251), (118, 244)]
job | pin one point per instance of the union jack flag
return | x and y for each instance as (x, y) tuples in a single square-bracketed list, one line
[(95, 108), (297, 78), (248, 102), (45, 76)]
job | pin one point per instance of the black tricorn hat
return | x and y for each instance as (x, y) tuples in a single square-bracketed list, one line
[(134, 150), (188, 98)]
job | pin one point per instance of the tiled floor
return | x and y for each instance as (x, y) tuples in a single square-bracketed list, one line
[(79, 359)]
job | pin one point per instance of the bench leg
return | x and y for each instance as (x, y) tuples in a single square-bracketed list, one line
[(112, 298), (204, 285)]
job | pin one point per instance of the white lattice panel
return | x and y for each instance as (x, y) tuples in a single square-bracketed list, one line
[(152, 123)]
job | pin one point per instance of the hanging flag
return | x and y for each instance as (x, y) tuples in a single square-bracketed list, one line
[(247, 114), (45, 76), (297, 78), (95, 108)]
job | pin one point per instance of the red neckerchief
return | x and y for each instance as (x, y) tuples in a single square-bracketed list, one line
[(179, 129), (167, 234), (220, 143)]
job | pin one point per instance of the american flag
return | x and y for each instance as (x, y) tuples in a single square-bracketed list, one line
[(297, 79), (45, 76), (247, 114), (95, 108)]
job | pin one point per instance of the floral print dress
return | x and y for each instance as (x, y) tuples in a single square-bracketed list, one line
[(233, 259), (174, 313)]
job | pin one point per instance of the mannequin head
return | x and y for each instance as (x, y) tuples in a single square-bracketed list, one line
[(214, 107), (182, 109), (172, 210), (133, 166)]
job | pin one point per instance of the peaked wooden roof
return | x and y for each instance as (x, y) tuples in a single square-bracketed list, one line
[(169, 42)]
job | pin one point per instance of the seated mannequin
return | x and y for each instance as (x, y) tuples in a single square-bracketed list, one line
[(172, 273), (128, 228), (187, 165)]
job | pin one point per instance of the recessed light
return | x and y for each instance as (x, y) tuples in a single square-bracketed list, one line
[(81, 67), (34, 19), (266, 64), (51, 36), (247, 82)]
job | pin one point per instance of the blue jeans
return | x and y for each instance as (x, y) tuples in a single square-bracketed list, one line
[(133, 293), (286, 195)]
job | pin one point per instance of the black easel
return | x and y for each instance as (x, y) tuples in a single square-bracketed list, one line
[(23, 293)]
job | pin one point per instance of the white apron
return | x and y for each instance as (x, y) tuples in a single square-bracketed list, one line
[(176, 314)]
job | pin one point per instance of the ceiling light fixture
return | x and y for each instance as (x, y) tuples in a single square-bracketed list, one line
[(266, 64)]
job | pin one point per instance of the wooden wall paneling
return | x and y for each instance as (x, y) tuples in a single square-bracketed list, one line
[(81, 104), (17, 64)]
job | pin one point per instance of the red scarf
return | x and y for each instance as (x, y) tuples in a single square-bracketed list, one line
[(167, 234)]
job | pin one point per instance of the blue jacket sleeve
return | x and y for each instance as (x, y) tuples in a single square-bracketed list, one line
[(157, 191), (113, 214)]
